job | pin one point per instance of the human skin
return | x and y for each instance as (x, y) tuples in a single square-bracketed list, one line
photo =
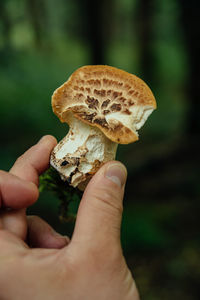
[(37, 263)]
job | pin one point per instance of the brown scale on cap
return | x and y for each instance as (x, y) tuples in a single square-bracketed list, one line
[(92, 93)]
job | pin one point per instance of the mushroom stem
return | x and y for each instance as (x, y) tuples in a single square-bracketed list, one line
[(81, 153)]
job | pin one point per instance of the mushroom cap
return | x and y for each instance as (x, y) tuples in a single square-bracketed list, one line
[(115, 101)]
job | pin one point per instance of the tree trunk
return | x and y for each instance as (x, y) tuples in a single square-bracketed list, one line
[(145, 36), (96, 38), (6, 25), (36, 12), (191, 27), (96, 17)]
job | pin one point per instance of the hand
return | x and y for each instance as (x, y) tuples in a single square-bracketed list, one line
[(90, 266)]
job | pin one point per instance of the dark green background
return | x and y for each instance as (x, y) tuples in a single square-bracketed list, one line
[(42, 42)]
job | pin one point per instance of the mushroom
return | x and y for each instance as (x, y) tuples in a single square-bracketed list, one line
[(104, 107)]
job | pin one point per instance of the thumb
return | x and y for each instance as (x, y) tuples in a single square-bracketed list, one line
[(100, 211)]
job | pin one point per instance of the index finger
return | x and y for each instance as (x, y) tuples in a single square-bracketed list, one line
[(35, 160)]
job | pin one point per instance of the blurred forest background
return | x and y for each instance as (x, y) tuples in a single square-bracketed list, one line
[(42, 42)]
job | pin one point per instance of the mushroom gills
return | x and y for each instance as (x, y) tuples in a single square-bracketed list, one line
[(141, 116), (136, 120), (81, 152)]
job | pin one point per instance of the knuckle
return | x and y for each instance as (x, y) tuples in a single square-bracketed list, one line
[(24, 158), (92, 258), (108, 199), (108, 195), (18, 162), (20, 159)]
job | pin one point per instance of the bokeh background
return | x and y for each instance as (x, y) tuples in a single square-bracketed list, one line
[(42, 42)]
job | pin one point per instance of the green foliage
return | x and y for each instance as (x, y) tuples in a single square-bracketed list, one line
[(161, 217), (67, 195)]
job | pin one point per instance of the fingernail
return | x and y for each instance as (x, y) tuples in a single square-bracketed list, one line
[(47, 139), (67, 239), (116, 173), (58, 235)]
